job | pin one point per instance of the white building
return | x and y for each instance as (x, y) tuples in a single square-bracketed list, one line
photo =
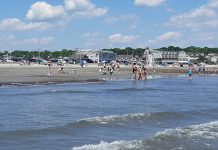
[(183, 57), (214, 59), (99, 56), (171, 57), (124, 58), (152, 57), (157, 57)]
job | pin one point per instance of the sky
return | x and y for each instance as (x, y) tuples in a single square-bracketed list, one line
[(98, 24)]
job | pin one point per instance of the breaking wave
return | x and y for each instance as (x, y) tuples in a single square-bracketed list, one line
[(137, 117), (203, 136), (116, 145), (96, 121), (207, 130)]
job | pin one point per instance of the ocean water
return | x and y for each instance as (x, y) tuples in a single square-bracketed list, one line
[(161, 113)]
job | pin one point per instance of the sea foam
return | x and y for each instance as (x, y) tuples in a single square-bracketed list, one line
[(135, 117), (116, 145), (160, 140), (206, 130)]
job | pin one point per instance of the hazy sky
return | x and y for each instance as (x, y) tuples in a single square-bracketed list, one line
[(96, 24)]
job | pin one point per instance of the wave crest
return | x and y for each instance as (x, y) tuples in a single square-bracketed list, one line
[(137, 117), (190, 137), (207, 131), (116, 145)]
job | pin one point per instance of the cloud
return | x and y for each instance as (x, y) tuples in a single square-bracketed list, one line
[(213, 4), (14, 24), (91, 36), (84, 8), (79, 5), (204, 37), (92, 39), (169, 36), (169, 10), (150, 3), (6, 37), (36, 41), (119, 38), (130, 20), (121, 18), (42, 11), (10, 42), (204, 17)]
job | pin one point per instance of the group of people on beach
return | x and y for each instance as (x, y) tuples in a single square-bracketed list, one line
[(139, 73), (109, 68), (201, 71), (59, 70)]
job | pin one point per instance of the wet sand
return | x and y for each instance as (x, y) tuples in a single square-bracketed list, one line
[(14, 74)]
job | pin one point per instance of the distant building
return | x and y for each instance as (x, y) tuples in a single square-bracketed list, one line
[(124, 58), (99, 56), (214, 59), (76, 57), (171, 57), (152, 57)]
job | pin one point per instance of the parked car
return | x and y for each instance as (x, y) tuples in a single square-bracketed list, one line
[(43, 62)]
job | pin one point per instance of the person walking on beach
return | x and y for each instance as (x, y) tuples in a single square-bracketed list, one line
[(82, 63), (111, 71), (61, 70), (118, 66), (153, 69), (74, 69), (102, 71), (49, 68)]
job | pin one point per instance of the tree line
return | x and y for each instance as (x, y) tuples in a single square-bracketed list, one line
[(140, 51), (119, 51), (38, 54)]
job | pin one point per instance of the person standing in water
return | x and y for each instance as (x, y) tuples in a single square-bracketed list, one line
[(190, 72), (140, 73), (144, 73), (134, 71)]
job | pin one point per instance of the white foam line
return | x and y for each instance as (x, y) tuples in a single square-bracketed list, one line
[(115, 118), (207, 131), (116, 145)]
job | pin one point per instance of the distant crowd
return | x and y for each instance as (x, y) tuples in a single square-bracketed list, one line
[(139, 73), (109, 69)]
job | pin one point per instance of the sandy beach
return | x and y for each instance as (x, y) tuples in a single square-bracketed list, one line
[(14, 74), (38, 74)]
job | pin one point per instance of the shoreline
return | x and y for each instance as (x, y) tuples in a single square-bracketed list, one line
[(16, 75)]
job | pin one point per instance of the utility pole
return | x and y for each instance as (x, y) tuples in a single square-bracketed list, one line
[(39, 54)]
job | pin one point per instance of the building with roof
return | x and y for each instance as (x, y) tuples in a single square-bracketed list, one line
[(99, 56), (152, 57)]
